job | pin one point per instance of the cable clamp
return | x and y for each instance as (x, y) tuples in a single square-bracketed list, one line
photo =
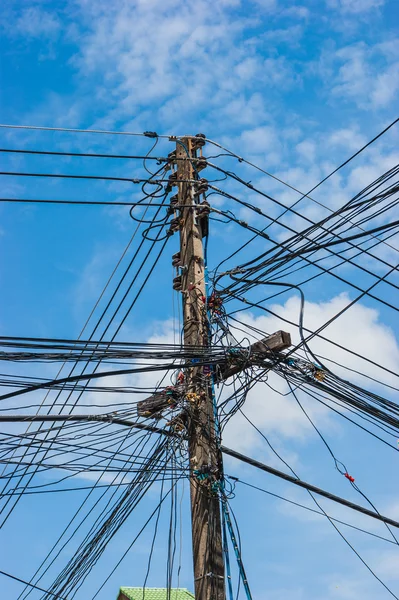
[(210, 574), (236, 270)]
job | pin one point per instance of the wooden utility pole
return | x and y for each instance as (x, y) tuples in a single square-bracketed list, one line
[(204, 454)]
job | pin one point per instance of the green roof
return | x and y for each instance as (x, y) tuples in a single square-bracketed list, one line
[(155, 593)]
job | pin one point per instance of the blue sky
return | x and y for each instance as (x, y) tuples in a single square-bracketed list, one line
[(295, 88)]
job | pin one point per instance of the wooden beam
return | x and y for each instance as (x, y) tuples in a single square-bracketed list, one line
[(266, 347), (159, 401)]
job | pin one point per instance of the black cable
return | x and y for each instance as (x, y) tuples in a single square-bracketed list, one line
[(237, 480), (312, 488), (32, 586), (347, 161), (78, 202)]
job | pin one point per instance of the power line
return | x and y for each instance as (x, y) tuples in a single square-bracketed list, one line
[(32, 586), (158, 159), (308, 486), (224, 449), (347, 161), (149, 134), (80, 202), (255, 487), (135, 180)]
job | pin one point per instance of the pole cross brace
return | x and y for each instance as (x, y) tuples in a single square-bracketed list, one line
[(266, 347)]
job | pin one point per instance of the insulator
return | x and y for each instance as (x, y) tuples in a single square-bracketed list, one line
[(172, 156), (177, 283), (174, 200), (203, 217), (198, 141), (204, 225), (201, 163), (175, 224), (203, 209), (176, 260), (201, 187), (172, 180)]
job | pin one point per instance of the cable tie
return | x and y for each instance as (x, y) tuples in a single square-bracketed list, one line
[(351, 479)]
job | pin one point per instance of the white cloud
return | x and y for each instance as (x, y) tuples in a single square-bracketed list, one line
[(388, 565), (102, 478), (386, 86), (279, 71), (258, 140), (368, 75), (348, 138), (307, 150), (354, 329), (246, 111), (355, 7), (260, 144), (34, 22), (290, 35), (317, 157), (187, 59), (297, 12), (267, 5), (280, 415)]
